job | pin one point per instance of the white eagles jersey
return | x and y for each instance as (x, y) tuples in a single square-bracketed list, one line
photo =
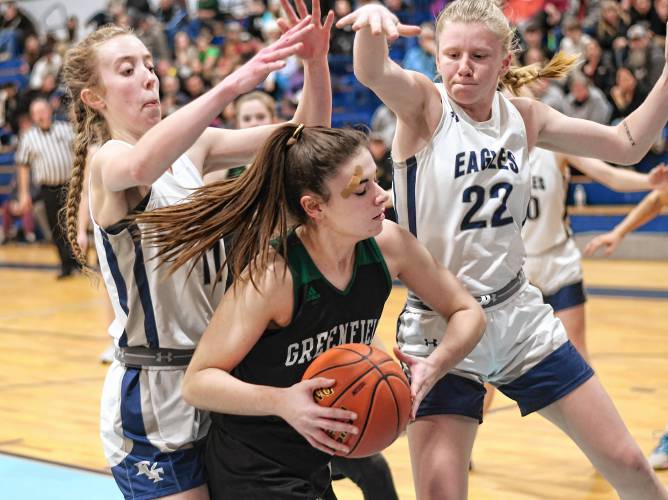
[(150, 308), (465, 195), (547, 220)]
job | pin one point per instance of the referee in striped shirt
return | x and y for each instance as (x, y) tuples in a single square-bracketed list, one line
[(45, 153)]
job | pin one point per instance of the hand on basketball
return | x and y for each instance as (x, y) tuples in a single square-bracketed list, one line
[(380, 20), (270, 58), (313, 421), (609, 242), (658, 177), (316, 42), (424, 374)]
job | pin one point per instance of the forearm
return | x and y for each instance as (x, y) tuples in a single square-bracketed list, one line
[(641, 127), (158, 148), (644, 212), (370, 57), (315, 105), (619, 179), (626, 181), (23, 180), (213, 389), (464, 331)]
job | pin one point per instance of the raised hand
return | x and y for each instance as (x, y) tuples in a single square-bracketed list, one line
[(658, 177), (608, 241), (313, 421), (271, 57), (424, 374), (380, 20), (316, 42)]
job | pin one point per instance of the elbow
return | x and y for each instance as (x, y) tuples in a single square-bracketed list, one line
[(482, 322), (137, 174), (188, 390), (363, 75)]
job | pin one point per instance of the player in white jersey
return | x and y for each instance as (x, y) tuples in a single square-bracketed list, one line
[(553, 260), (152, 438), (462, 186)]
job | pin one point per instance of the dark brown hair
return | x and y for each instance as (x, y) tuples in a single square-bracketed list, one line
[(262, 205)]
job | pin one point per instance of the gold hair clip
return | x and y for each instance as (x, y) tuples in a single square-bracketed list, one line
[(296, 134)]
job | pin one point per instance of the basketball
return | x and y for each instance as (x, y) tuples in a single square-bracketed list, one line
[(371, 384)]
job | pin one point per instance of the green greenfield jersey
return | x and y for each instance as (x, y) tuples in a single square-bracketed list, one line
[(323, 317)]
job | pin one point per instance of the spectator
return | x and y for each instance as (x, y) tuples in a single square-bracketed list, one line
[(545, 90), (384, 123), (612, 26), (658, 19), (150, 31), (185, 55), (533, 37), (72, 30), (14, 28), (9, 110), (342, 39), (587, 11), (641, 56), (574, 41), (49, 64), (138, 8), (640, 11), (599, 67), (586, 101), (421, 58), (625, 96), (193, 87), (45, 154), (32, 51)]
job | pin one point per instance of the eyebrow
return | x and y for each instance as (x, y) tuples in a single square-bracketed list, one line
[(129, 58)]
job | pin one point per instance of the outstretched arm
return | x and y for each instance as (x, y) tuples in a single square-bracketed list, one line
[(410, 95), (625, 143), (618, 179), (123, 168), (228, 148), (644, 212), (411, 262)]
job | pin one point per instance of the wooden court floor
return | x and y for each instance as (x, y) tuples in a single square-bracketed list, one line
[(50, 380)]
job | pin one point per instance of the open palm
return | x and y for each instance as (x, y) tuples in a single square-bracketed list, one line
[(316, 42)]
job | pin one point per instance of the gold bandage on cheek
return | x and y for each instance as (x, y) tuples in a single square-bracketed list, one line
[(354, 182)]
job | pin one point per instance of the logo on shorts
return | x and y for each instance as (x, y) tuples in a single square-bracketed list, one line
[(485, 300), (152, 473)]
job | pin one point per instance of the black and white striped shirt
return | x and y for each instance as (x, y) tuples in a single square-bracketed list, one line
[(48, 153)]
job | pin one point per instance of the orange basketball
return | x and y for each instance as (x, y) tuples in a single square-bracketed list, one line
[(371, 384)]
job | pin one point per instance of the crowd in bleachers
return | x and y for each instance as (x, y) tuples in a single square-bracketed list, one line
[(621, 46)]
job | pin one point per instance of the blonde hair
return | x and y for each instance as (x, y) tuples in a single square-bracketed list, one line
[(80, 72), (487, 12)]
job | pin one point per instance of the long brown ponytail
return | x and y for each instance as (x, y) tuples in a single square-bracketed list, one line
[(257, 207)]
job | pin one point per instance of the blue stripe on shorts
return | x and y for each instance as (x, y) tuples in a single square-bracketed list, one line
[(554, 377), (567, 296), (146, 472), (454, 395)]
